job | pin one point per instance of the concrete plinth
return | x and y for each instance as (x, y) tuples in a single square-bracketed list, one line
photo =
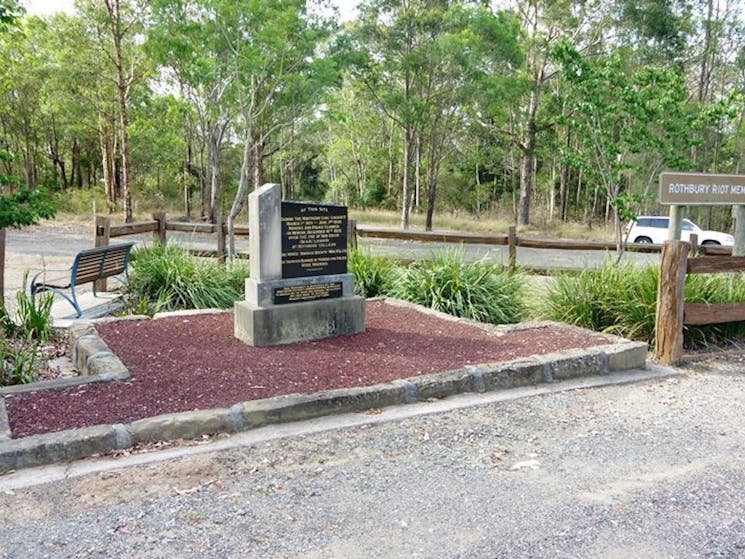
[(310, 320)]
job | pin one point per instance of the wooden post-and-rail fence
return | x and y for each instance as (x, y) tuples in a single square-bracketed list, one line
[(104, 231), (672, 310)]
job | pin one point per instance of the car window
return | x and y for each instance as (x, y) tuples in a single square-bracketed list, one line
[(688, 225), (658, 222)]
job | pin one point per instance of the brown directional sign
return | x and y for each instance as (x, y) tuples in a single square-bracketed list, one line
[(692, 189), (314, 239)]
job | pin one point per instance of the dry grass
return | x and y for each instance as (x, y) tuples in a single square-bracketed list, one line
[(444, 221), (493, 224)]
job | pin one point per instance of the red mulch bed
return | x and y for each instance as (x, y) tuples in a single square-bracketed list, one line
[(194, 362)]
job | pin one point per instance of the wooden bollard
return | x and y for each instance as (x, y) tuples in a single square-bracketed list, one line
[(670, 303)]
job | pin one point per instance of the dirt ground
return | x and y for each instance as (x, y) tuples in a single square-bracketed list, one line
[(647, 469), (33, 249)]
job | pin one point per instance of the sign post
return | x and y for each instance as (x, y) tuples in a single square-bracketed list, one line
[(739, 248)]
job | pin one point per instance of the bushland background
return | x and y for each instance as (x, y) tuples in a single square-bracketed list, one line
[(525, 111)]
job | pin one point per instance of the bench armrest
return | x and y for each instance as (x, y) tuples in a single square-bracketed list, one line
[(56, 273)]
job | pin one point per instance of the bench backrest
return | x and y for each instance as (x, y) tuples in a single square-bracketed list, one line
[(99, 263)]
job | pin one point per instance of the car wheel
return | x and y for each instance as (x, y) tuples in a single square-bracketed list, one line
[(643, 240), (711, 243)]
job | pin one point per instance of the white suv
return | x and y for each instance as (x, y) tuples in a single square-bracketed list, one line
[(653, 229)]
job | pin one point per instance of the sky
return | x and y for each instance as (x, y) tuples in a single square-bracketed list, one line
[(347, 8), (46, 7)]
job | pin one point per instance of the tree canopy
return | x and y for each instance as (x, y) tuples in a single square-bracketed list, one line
[(531, 110)]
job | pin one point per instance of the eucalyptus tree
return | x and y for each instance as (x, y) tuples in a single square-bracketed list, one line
[(188, 39), (713, 64), (621, 112), (543, 23), (46, 113), (117, 26), (20, 96), (413, 58), (279, 71), (473, 39), (388, 38), (361, 151), (19, 205), (394, 43), (72, 96)]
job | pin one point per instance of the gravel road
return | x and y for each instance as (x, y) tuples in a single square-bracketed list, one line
[(653, 469)]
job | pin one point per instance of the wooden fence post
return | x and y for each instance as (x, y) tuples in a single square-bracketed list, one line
[(352, 233), (670, 303), (512, 247), (159, 234), (220, 228), (693, 240), (102, 235)]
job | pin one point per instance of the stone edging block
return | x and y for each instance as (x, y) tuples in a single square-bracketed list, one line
[(78, 443)]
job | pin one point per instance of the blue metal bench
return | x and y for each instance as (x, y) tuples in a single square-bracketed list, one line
[(89, 266)]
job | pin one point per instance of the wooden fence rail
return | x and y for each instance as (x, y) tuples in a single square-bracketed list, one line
[(159, 226), (672, 310)]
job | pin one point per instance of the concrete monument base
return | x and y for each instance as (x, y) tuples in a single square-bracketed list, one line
[(309, 320)]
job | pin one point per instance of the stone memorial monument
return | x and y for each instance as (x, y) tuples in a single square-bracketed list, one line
[(299, 287)]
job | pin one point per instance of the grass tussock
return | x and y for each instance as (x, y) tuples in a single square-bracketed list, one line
[(170, 278), (373, 275), (617, 298), (474, 290), (622, 300)]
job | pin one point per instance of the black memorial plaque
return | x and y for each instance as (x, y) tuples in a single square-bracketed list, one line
[(311, 292), (314, 239)]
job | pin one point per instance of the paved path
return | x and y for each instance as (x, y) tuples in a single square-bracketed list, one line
[(652, 469)]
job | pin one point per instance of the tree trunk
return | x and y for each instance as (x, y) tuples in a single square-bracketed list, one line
[(122, 84), (526, 182), (432, 190), (406, 194), (126, 163), (418, 171), (2, 266), (389, 188), (214, 153), (107, 165), (258, 178), (247, 176), (186, 180), (76, 173)]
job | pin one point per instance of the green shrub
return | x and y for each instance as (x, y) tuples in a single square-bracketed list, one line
[(373, 275), (476, 290), (617, 298), (34, 317), (19, 358), (22, 336), (169, 278), (622, 299)]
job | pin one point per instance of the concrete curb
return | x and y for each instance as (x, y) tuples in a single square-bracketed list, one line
[(618, 355)]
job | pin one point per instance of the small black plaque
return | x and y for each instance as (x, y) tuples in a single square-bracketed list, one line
[(314, 239), (311, 292)]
